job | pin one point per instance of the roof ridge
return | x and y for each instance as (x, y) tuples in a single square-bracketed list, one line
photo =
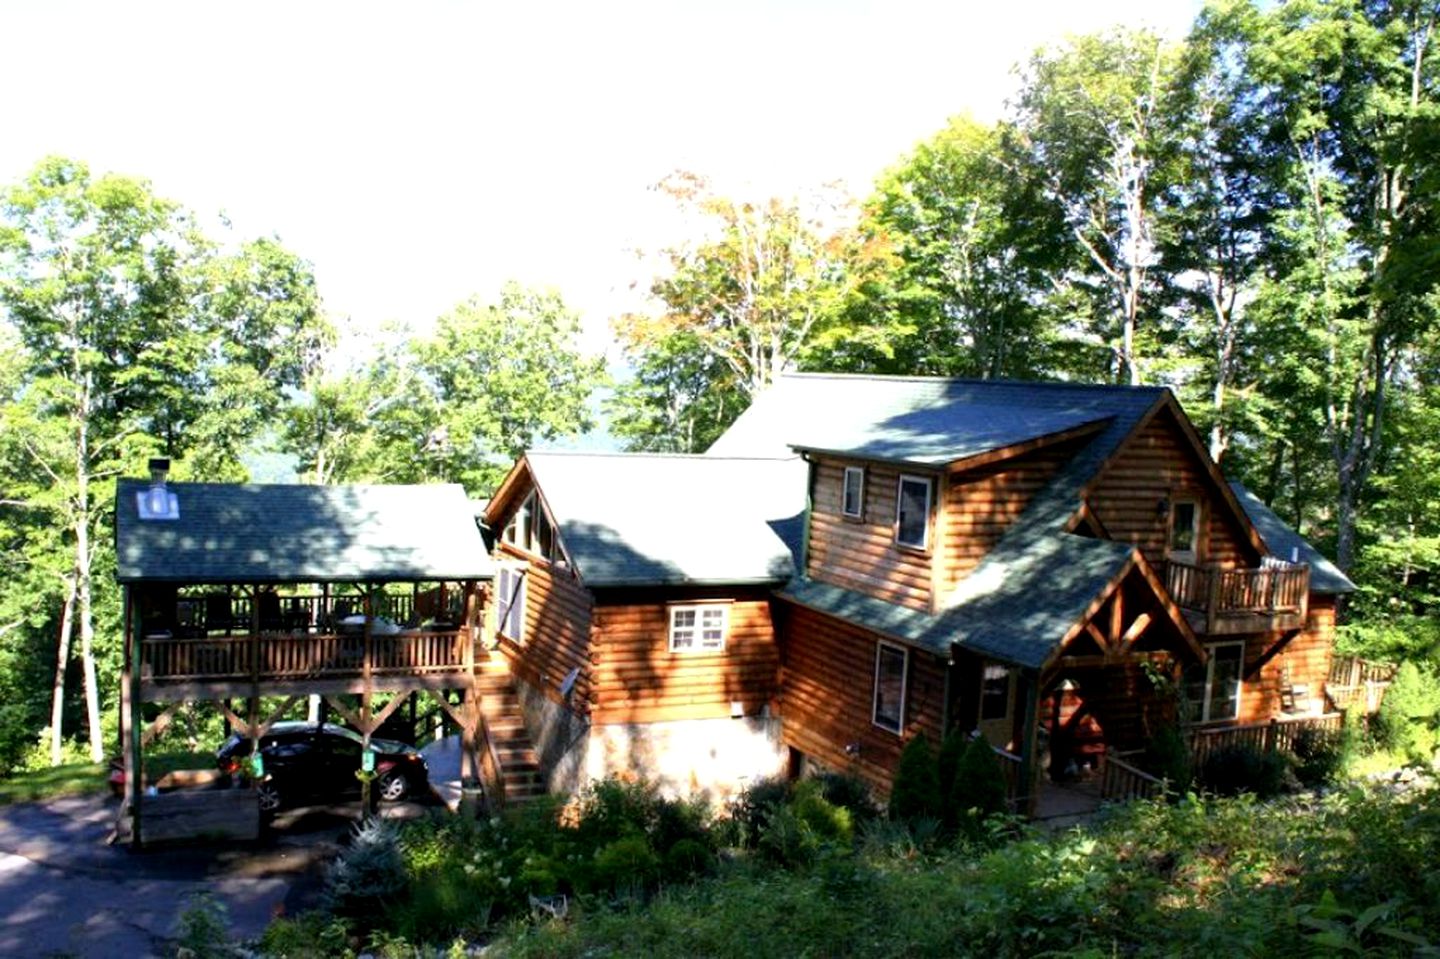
[(1026, 384), (145, 481), (639, 454)]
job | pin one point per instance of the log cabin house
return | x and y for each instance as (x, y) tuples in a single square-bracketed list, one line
[(859, 560)]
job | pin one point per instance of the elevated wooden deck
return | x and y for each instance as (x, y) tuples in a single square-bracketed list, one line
[(1227, 602), (281, 663)]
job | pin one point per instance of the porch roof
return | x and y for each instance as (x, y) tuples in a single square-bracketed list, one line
[(1017, 606), (1286, 543), (253, 533)]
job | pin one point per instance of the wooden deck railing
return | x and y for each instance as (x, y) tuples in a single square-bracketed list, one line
[(1354, 681), (1277, 734), (1010, 766), (1280, 591), (1121, 781), (286, 655)]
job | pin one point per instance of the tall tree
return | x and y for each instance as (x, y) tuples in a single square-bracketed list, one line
[(762, 286), (1089, 134), (138, 337)]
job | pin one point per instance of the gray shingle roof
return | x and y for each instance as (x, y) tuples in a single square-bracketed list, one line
[(1014, 607), (291, 533), (923, 420), (1287, 544), (1037, 581), (641, 519)]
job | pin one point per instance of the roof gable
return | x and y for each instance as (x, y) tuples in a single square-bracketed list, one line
[(287, 533), (1286, 543)]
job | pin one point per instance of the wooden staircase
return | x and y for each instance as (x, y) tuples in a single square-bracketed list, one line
[(500, 706)]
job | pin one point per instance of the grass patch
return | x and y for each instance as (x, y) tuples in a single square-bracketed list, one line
[(74, 779), (85, 779)]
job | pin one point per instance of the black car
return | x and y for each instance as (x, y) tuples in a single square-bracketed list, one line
[(318, 761)]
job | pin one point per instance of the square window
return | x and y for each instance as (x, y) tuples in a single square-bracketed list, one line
[(853, 497), (699, 628), (889, 711), (912, 512)]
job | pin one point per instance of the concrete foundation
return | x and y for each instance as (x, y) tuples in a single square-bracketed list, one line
[(711, 757)]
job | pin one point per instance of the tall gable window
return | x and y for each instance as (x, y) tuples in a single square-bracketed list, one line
[(1184, 530), (699, 628), (890, 663), (510, 603), (1213, 690), (530, 529), (852, 500), (912, 512)]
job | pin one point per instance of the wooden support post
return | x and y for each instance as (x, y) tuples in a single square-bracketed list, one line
[(254, 647), (366, 690), (1212, 598), (1028, 687), (130, 709)]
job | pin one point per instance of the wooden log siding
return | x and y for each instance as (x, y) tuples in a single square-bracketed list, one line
[(979, 505), (637, 679), (1304, 656), (827, 697), (862, 554), (556, 632), (1157, 464)]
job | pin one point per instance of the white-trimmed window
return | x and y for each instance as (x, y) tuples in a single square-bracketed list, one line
[(890, 669), (912, 511), (1184, 529), (1213, 690), (852, 497), (510, 603), (699, 628)]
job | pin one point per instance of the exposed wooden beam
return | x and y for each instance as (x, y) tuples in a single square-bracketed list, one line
[(159, 725), (1117, 616), (345, 712), (1134, 632), (1096, 635)]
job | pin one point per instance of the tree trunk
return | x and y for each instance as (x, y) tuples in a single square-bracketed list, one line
[(84, 612), (62, 659)]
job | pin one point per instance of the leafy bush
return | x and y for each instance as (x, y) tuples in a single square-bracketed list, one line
[(916, 789), (1231, 770), (368, 874), (979, 781), (786, 840), (308, 936), (1167, 756), (752, 809), (1408, 714), (688, 859), (202, 930), (1320, 756), (828, 822), (626, 866), (848, 792)]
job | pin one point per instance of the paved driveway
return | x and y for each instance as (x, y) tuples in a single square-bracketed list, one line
[(64, 892)]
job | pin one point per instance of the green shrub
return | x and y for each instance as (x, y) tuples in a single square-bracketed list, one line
[(848, 792), (1167, 756), (454, 899), (1408, 714), (688, 859), (916, 789), (202, 930), (828, 822), (368, 874), (312, 935), (626, 866), (979, 781), (611, 808), (751, 811), (786, 840), (1319, 756), (1231, 770), (951, 749)]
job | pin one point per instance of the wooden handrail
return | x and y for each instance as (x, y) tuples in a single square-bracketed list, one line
[(293, 655), (1120, 780), (1276, 734), (1268, 590)]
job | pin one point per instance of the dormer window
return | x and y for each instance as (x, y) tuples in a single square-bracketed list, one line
[(852, 499), (912, 512)]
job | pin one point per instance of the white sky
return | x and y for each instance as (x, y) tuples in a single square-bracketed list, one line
[(419, 152)]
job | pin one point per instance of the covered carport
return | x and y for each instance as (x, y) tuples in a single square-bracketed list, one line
[(234, 592)]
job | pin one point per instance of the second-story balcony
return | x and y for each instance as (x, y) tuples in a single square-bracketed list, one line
[(1221, 602)]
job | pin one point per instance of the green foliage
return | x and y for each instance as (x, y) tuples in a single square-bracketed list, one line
[(1410, 712), (626, 866), (1167, 756), (202, 930), (916, 789), (687, 860), (1238, 768), (1320, 755), (368, 873), (312, 935), (978, 790)]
